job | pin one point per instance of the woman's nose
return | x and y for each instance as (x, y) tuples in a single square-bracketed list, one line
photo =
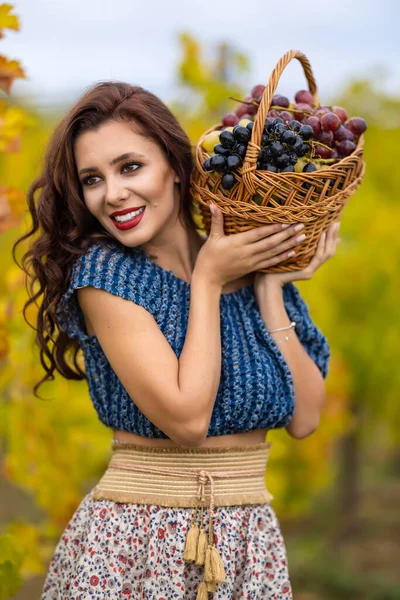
[(115, 193)]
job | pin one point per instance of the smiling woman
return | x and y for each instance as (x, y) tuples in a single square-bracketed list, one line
[(179, 363)]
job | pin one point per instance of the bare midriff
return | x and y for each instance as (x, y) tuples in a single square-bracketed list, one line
[(234, 439)]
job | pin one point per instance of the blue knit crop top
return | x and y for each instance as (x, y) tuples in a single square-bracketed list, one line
[(256, 388)]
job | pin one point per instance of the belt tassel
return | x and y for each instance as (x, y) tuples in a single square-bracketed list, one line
[(199, 548)]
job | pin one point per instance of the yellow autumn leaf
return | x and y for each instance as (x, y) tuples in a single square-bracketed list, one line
[(9, 71), (8, 21)]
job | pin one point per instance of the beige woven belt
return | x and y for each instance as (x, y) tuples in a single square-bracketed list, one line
[(178, 477)]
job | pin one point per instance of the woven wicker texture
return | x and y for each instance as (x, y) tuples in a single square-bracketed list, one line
[(282, 197)]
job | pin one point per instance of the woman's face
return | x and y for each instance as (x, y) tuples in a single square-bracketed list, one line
[(122, 172)]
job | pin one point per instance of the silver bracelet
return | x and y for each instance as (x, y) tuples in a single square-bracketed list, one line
[(292, 324)]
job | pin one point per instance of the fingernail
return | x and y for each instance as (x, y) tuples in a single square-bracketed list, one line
[(212, 208), (299, 226), (284, 225)]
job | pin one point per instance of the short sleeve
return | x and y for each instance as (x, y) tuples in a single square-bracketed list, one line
[(312, 338), (120, 271)]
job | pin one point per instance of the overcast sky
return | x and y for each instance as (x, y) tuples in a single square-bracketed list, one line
[(66, 45)]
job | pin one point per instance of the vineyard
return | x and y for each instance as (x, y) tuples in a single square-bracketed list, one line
[(334, 492)]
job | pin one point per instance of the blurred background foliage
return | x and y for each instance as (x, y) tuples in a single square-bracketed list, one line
[(337, 492)]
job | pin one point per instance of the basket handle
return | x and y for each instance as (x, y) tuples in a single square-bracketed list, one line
[(270, 89)]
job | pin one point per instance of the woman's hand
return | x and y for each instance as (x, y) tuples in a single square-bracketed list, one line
[(326, 249), (224, 258)]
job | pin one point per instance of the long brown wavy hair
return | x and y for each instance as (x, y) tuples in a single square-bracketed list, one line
[(62, 226)]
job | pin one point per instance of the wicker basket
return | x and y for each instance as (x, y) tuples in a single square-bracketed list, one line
[(284, 198)]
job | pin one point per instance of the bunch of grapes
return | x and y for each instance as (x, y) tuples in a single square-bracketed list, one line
[(229, 152), (296, 136), (282, 144)]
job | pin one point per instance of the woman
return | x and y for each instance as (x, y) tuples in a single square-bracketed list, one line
[(185, 359)]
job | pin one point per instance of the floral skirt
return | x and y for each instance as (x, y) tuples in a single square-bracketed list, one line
[(126, 550)]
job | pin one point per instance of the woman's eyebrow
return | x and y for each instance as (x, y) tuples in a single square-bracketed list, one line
[(113, 162)]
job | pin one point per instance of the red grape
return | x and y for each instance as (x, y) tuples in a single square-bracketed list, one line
[(241, 110), (247, 116), (303, 97), (346, 147), (330, 121), (322, 110), (230, 120), (286, 116), (272, 114), (342, 133), (357, 125), (322, 152), (315, 124), (279, 100), (252, 109), (257, 90), (302, 111), (340, 112), (326, 137)]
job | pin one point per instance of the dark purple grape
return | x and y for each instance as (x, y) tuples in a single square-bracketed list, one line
[(304, 149), (227, 140), (297, 146), (279, 129), (268, 124), (306, 132), (265, 155), (218, 162), (219, 149), (228, 181), (282, 161), (207, 165), (294, 125), (293, 158), (264, 139), (276, 121), (288, 169), (240, 149), (309, 168), (276, 148), (288, 137), (270, 167), (241, 134), (250, 126), (233, 162)]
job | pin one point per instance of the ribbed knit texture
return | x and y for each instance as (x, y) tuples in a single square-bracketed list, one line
[(256, 387)]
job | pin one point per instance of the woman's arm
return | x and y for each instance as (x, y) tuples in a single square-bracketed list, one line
[(309, 384), (177, 395)]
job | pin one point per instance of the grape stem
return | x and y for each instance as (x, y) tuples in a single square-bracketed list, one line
[(316, 143), (293, 110), (244, 101)]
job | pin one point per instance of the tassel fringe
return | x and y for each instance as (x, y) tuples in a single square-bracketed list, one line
[(202, 593), (192, 537), (201, 547), (213, 566)]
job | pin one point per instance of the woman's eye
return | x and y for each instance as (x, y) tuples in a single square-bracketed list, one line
[(134, 166)]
